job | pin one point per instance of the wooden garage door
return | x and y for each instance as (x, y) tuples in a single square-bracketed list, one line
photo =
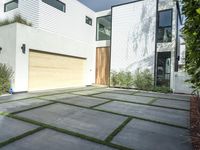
[(50, 71)]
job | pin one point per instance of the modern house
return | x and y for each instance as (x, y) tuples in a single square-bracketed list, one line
[(71, 45)]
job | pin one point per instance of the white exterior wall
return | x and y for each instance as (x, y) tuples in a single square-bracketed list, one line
[(9, 14), (8, 45), (133, 36), (43, 41)]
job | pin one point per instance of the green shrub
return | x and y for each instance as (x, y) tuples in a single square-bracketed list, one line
[(143, 80), (162, 89), (121, 79), (5, 77), (17, 18)]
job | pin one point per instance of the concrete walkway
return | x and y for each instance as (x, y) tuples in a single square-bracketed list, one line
[(94, 119)]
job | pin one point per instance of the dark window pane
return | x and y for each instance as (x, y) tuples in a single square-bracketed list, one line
[(165, 34), (103, 28), (11, 5), (56, 4), (165, 18), (88, 20), (163, 69)]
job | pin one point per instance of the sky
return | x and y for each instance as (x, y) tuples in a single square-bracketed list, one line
[(100, 5)]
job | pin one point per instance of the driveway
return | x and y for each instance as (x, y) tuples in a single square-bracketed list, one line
[(94, 119)]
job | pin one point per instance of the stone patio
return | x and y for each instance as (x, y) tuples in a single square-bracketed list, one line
[(94, 118)]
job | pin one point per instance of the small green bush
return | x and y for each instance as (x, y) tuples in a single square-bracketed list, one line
[(143, 80), (121, 79), (162, 89), (17, 18), (5, 77)]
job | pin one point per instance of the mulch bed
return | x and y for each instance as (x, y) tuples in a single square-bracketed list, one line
[(195, 122)]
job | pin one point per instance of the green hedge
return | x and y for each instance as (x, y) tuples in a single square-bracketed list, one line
[(141, 80), (5, 77)]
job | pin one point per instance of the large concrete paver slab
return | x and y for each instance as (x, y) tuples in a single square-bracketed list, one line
[(85, 121), (167, 96), (52, 140), (10, 128), (124, 97), (171, 116), (144, 135), (83, 101), (173, 104), (21, 105)]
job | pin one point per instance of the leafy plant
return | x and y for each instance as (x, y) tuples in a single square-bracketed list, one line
[(143, 80), (17, 18), (5, 77), (191, 31), (121, 79), (162, 89)]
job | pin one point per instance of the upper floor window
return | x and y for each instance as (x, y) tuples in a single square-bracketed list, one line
[(56, 4), (88, 20), (103, 28), (164, 26), (11, 5)]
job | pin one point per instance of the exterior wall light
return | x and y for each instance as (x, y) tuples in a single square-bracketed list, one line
[(0, 49), (23, 48)]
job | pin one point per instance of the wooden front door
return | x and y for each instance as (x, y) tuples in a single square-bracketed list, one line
[(102, 65)]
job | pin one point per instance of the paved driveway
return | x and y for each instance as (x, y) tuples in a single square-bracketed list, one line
[(94, 119)]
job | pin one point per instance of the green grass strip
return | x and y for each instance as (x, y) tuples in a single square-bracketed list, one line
[(146, 104), (120, 114), (72, 133), (141, 118), (101, 104), (20, 111), (152, 101), (117, 130), (11, 140)]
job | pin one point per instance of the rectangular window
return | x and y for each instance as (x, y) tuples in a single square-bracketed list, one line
[(164, 32), (56, 4), (103, 28), (88, 20), (11, 5)]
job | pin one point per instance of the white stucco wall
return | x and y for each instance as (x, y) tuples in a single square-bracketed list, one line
[(133, 36), (44, 41), (8, 45), (43, 16)]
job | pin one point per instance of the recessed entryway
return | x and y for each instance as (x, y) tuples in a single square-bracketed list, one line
[(102, 65)]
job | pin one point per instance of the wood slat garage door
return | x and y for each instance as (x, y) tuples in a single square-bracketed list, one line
[(50, 71)]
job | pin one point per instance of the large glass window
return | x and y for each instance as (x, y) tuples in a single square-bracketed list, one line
[(56, 4), (165, 26), (11, 5), (163, 68), (103, 28)]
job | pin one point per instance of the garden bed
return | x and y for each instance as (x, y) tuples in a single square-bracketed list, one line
[(195, 122)]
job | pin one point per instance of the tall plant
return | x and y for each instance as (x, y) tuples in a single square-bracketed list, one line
[(191, 31)]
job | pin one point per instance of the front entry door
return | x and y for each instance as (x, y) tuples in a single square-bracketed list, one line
[(102, 65)]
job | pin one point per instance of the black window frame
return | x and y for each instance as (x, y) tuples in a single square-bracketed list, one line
[(90, 20), (97, 26), (9, 3), (56, 7), (161, 27)]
